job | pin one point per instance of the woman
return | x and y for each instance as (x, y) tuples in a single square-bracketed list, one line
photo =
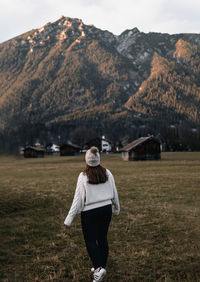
[(94, 196)]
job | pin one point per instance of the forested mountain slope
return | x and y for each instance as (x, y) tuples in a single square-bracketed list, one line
[(75, 74)]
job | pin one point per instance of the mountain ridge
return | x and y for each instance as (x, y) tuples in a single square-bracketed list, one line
[(70, 72)]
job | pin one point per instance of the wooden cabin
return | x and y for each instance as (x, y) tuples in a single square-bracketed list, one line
[(69, 150), (34, 152), (144, 148)]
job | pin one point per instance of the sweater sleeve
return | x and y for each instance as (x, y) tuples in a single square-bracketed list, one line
[(78, 202), (115, 200)]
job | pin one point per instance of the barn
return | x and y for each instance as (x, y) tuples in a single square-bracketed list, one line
[(144, 148), (34, 152), (69, 150)]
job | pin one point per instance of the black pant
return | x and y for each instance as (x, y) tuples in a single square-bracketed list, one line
[(95, 225)]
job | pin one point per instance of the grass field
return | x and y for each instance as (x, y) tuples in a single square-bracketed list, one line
[(156, 237)]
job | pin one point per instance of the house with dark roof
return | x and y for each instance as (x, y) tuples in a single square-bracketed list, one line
[(69, 149), (144, 148), (34, 152)]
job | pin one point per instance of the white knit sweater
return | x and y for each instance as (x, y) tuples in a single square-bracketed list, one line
[(90, 196)]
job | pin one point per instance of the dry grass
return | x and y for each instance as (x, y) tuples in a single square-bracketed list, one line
[(155, 238)]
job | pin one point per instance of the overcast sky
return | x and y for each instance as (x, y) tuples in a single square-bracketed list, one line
[(169, 16)]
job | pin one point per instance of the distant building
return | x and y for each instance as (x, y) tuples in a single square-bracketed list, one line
[(53, 149), (118, 147), (69, 150), (103, 144), (21, 150), (144, 148), (34, 152)]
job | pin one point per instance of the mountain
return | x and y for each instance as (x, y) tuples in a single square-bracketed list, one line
[(59, 70), (74, 74), (172, 90)]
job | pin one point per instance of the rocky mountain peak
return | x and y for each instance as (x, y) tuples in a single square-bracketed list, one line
[(57, 32), (125, 40), (129, 32)]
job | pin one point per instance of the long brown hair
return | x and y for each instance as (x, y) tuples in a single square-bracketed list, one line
[(96, 174)]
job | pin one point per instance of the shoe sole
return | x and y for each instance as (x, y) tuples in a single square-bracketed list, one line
[(103, 275)]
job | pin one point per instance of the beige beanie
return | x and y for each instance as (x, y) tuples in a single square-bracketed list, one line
[(92, 157)]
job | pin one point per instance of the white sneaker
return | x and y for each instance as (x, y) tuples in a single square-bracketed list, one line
[(99, 274), (92, 270)]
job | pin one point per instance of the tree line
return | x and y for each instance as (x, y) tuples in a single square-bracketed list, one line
[(123, 130)]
